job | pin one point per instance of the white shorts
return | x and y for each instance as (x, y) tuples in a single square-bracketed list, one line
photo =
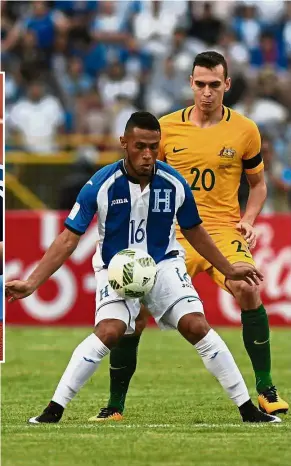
[(172, 297)]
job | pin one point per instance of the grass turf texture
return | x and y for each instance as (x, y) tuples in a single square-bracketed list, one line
[(176, 414)]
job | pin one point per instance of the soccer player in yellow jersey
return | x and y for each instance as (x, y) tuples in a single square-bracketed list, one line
[(210, 145)]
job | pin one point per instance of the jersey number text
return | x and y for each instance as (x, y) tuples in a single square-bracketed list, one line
[(239, 247), (137, 234), (207, 179)]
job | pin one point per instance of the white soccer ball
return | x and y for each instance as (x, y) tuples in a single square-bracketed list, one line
[(132, 273)]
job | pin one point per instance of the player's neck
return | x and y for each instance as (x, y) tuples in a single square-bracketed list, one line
[(143, 181), (205, 120)]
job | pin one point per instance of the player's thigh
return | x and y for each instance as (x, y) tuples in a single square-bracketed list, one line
[(234, 247), (173, 294), (109, 305), (194, 262)]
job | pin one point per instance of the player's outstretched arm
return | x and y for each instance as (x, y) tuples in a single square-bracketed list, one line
[(63, 246), (202, 242)]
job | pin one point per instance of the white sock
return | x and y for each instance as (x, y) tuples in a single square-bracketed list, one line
[(84, 362), (219, 361)]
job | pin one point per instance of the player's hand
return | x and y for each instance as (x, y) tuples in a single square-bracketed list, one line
[(248, 232), (245, 272), (18, 289)]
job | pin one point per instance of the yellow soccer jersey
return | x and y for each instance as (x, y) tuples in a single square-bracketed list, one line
[(212, 160)]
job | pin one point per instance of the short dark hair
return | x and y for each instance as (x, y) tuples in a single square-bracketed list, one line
[(210, 60), (142, 120)]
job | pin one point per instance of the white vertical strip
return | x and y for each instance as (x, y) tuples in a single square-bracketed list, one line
[(102, 206), (137, 237), (49, 229), (180, 197)]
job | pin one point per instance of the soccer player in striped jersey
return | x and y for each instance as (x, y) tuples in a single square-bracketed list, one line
[(141, 194)]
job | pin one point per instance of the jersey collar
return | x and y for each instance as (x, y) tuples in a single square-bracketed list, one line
[(131, 178), (187, 112)]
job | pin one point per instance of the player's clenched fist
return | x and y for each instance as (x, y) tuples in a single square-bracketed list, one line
[(246, 272), (17, 289)]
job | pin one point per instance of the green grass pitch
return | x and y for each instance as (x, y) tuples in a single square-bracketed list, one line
[(177, 414)]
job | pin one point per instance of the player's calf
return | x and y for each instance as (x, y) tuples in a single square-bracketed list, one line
[(84, 362), (123, 360), (220, 363), (256, 337)]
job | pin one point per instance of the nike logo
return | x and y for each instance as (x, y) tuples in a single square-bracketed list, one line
[(214, 355), (179, 150), (260, 342), (191, 300), (89, 360)]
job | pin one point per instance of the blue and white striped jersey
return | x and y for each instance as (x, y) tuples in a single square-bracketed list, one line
[(129, 217)]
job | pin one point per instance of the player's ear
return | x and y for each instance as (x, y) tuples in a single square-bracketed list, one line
[(191, 81), (227, 84), (123, 142)]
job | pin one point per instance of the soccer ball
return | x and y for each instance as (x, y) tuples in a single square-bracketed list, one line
[(132, 273)]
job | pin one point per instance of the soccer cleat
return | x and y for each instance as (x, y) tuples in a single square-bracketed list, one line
[(271, 403), (107, 414), (250, 413), (50, 415)]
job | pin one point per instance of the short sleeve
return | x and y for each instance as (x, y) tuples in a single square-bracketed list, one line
[(83, 210), (187, 214), (252, 159)]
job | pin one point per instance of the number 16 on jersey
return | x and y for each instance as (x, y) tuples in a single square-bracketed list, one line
[(137, 231)]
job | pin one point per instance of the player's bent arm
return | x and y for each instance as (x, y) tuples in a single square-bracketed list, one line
[(257, 196), (63, 246), (202, 242)]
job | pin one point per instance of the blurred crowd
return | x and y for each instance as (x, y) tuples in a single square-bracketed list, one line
[(82, 67)]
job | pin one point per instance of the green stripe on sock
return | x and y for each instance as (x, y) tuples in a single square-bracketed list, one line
[(256, 337)]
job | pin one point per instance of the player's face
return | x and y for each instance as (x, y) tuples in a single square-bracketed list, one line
[(209, 86), (142, 148)]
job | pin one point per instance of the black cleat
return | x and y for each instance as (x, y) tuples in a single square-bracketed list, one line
[(51, 415), (250, 413), (107, 414)]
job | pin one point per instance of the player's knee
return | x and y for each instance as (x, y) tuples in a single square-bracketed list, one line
[(110, 331), (193, 327), (243, 289), (247, 296)]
